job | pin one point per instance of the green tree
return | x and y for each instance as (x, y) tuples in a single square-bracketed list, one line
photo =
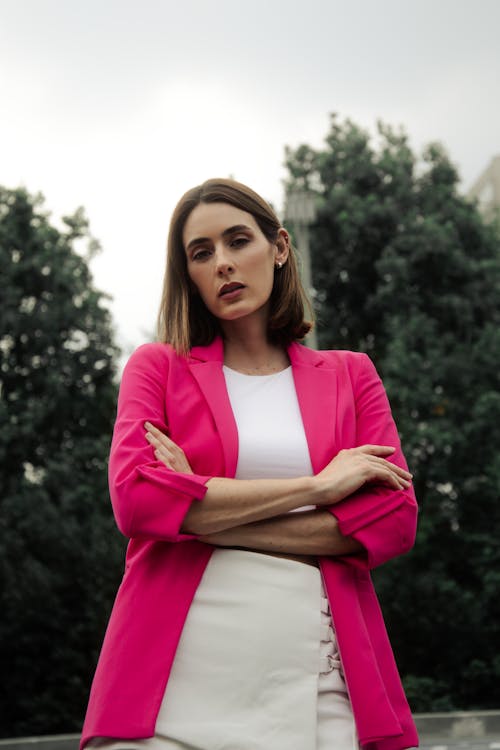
[(407, 270), (59, 551)]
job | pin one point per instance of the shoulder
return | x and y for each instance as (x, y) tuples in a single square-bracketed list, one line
[(345, 357), (357, 365), (151, 352), (154, 356), (338, 359), (354, 370)]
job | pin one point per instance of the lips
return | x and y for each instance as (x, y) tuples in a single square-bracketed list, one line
[(228, 288)]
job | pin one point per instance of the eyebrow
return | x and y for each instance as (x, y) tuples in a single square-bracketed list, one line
[(225, 233)]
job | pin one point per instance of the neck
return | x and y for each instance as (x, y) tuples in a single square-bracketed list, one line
[(247, 349)]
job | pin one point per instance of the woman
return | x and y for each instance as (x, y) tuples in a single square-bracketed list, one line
[(241, 623)]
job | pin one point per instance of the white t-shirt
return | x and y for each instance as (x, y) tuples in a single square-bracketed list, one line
[(272, 441)]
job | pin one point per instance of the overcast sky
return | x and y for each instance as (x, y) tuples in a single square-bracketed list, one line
[(122, 106)]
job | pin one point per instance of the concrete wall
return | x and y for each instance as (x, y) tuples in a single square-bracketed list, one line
[(459, 730), (48, 742)]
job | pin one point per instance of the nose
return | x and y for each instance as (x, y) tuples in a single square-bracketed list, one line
[(223, 262)]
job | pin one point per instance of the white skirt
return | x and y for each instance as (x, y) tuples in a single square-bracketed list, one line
[(257, 666)]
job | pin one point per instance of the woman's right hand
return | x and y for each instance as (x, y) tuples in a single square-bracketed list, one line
[(353, 467), (166, 450)]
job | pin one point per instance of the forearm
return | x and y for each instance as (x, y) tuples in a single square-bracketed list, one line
[(230, 503), (236, 502), (314, 532)]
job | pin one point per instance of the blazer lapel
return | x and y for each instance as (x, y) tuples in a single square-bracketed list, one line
[(205, 364), (317, 388)]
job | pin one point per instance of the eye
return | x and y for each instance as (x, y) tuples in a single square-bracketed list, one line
[(239, 242), (201, 253)]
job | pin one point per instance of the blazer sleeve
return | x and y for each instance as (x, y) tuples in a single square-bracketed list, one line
[(382, 519), (149, 500)]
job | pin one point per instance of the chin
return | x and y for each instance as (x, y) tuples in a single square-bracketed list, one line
[(233, 315)]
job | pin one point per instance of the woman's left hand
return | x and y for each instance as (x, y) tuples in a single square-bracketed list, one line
[(166, 450)]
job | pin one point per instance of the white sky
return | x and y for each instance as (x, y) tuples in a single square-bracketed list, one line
[(121, 106)]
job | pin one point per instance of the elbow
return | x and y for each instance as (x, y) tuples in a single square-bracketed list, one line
[(145, 511), (391, 536), (125, 529), (123, 504), (150, 502), (125, 526), (409, 526), (405, 528), (123, 496)]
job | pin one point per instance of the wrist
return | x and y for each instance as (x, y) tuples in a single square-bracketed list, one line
[(324, 491), (318, 491)]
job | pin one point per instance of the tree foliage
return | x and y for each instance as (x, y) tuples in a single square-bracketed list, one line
[(407, 270), (59, 550)]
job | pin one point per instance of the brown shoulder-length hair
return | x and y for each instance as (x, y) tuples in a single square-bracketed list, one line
[(183, 319)]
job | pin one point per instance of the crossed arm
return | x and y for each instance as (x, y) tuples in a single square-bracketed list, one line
[(311, 533), (362, 497), (253, 514)]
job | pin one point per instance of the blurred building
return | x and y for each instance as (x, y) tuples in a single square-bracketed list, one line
[(487, 189)]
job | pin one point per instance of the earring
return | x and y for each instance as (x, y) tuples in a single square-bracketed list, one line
[(279, 264)]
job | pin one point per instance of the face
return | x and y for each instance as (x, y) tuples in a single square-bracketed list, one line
[(230, 261)]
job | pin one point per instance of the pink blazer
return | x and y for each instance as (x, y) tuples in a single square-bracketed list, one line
[(343, 404)]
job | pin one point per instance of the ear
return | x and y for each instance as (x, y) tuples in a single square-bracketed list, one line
[(282, 246)]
